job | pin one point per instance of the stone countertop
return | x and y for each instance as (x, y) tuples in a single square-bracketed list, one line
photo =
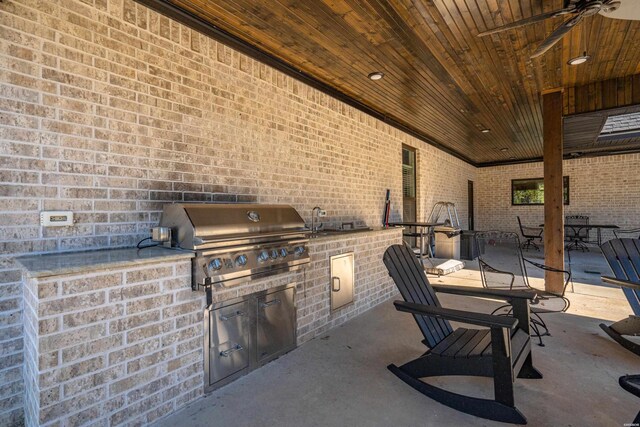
[(56, 264), (324, 235)]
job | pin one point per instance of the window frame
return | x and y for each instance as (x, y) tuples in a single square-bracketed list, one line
[(565, 184)]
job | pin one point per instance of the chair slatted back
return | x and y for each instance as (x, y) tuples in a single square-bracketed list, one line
[(412, 282), (623, 256), (500, 260)]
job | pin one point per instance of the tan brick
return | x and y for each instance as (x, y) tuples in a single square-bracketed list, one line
[(134, 291), (92, 316), (149, 360), (133, 380), (65, 373), (63, 305), (133, 351), (150, 303), (148, 331), (132, 322), (148, 274), (82, 384), (63, 408), (70, 338), (48, 326), (92, 347)]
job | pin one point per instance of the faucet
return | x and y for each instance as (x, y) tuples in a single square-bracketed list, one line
[(316, 213)]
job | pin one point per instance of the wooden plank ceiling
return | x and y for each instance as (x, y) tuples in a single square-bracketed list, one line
[(441, 80)]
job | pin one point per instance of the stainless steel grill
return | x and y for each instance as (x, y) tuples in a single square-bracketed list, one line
[(236, 243)]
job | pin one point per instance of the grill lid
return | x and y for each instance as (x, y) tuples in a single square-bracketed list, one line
[(196, 225)]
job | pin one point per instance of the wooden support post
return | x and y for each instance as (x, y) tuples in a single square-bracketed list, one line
[(553, 200)]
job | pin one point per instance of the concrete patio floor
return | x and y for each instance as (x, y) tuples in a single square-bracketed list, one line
[(340, 378)]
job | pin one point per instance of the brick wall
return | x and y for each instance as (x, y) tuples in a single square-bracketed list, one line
[(607, 189), (110, 110), (112, 346), (371, 287)]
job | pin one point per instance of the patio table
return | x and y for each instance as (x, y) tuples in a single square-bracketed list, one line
[(578, 227), (423, 229)]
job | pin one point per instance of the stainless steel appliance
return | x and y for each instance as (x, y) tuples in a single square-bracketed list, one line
[(342, 280), (235, 243), (245, 333)]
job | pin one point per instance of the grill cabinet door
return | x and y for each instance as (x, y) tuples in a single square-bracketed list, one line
[(341, 280), (228, 341), (276, 326)]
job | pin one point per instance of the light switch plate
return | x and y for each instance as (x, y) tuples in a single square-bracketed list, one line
[(56, 218)]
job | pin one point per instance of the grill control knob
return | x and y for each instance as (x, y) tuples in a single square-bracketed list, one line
[(274, 254), (284, 252), (215, 264), (263, 256), (299, 250), (241, 260)]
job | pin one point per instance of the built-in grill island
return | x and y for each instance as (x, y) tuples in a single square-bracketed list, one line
[(235, 244)]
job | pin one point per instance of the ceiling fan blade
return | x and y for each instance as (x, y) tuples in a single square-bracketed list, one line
[(557, 34), (527, 21)]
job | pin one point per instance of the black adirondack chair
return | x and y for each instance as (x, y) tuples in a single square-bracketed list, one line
[(632, 233), (631, 383), (503, 351), (623, 256)]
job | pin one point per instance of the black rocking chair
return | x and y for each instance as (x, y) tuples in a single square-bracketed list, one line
[(623, 256), (632, 233), (531, 234), (631, 383), (503, 351)]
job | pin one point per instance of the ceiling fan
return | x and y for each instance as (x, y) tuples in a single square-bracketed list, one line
[(576, 9)]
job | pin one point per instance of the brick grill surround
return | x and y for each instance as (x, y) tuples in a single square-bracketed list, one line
[(112, 346), (125, 345)]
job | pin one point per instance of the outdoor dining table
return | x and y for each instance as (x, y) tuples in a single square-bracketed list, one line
[(578, 227), (423, 230)]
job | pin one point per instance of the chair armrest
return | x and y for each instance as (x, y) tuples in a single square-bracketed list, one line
[(503, 294), (555, 270), (479, 319), (620, 231), (536, 230), (621, 282), (491, 269)]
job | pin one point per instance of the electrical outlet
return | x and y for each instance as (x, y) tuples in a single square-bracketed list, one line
[(56, 218)]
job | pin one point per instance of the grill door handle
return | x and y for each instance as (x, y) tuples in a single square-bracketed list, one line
[(236, 347), (333, 284), (270, 303), (224, 317)]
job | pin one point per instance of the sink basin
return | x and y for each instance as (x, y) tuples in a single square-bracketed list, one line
[(347, 230), (331, 231)]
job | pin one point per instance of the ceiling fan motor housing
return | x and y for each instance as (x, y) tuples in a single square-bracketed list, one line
[(592, 7)]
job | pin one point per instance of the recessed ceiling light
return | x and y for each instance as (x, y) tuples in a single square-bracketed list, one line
[(504, 149), (512, 158), (579, 59), (485, 130), (376, 75)]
